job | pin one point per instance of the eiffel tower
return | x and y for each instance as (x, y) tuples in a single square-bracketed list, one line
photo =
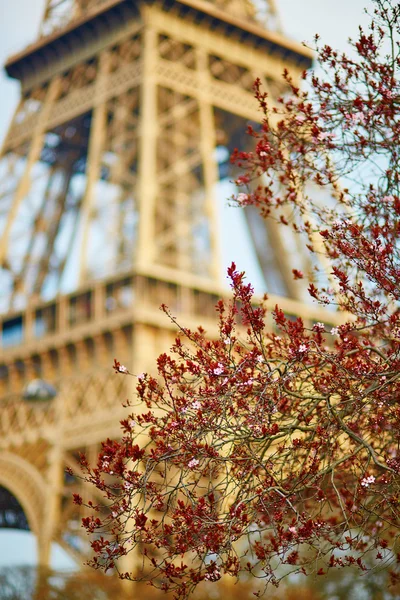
[(108, 182)]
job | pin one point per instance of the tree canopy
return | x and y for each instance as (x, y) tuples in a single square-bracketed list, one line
[(277, 451)]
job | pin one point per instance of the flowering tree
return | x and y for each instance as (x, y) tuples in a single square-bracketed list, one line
[(278, 452)]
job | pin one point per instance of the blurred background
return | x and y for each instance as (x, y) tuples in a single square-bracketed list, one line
[(334, 22)]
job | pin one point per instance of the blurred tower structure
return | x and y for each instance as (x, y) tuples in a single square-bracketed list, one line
[(108, 180)]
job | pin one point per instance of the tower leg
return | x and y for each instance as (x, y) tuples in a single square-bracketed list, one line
[(52, 510)]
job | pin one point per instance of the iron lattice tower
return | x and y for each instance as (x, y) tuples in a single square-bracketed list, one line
[(108, 179)]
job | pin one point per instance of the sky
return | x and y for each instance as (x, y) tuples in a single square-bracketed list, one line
[(333, 20)]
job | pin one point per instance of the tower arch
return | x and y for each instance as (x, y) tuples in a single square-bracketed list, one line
[(27, 485)]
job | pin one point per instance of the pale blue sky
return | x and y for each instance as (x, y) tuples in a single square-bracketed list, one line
[(334, 20)]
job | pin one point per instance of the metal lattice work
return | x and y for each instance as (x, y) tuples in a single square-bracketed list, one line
[(109, 180), (66, 192), (59, 13), (180, 196), (264, 12)]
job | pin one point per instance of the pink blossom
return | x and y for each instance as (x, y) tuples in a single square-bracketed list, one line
[(366, 481)]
